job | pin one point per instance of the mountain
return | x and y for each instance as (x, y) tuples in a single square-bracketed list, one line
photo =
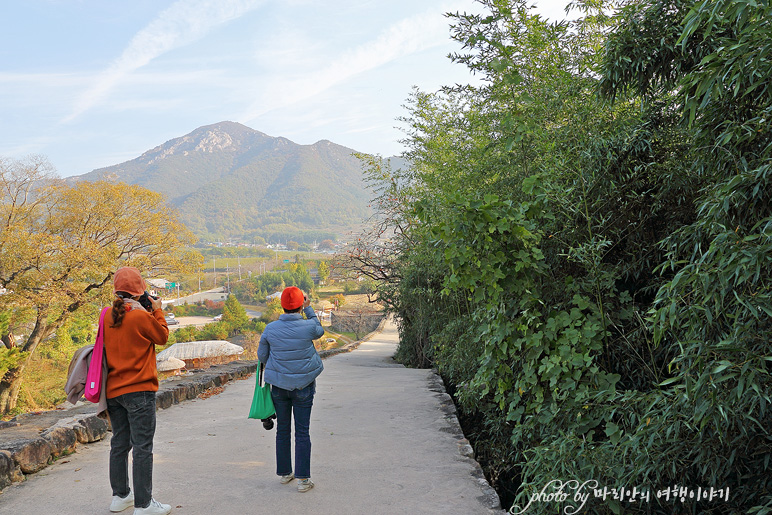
[(228, 180)]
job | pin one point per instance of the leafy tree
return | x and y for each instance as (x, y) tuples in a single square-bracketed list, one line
[(11, 359), (10, 355), (534, 210), (257, 326), (213, 331), (234, 314), (300, 277), (324, 271), (326, 245), (60, 244), (257, 288), (272, 311), (7, 322), (185, 334), (339, 300)]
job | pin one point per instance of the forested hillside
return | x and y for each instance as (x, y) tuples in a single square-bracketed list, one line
[(583, 247), (228, 180)]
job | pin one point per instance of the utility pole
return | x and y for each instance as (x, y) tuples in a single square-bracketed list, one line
[(239, 259), (214, 269)]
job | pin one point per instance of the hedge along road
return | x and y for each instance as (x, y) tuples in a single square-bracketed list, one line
[(384, 442)]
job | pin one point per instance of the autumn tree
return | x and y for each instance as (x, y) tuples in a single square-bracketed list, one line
[(60, 245), (323, 271), (339, 300)]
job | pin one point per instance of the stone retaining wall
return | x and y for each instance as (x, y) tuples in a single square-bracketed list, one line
[(490, 497)]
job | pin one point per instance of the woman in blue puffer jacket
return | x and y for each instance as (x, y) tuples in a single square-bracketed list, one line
[(291, 367)]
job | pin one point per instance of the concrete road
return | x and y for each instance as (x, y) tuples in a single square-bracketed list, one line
[(192, 320), (382, 444), (216, 294)]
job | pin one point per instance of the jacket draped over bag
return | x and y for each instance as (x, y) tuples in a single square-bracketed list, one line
[(76, 379)]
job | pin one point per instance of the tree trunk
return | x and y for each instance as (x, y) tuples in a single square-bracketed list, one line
[(8, 340), (10, 386)]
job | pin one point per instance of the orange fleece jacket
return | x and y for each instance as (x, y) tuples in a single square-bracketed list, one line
[(130, 351)]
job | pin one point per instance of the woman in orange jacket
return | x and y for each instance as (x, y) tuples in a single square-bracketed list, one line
[(131, 332)]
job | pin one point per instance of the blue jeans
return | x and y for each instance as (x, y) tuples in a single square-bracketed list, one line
[(132, 416), (286, 403)]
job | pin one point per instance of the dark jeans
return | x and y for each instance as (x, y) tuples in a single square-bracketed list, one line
[(299, 403), (132, 416)]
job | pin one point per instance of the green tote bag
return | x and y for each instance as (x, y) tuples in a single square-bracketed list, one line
[(262, 404)]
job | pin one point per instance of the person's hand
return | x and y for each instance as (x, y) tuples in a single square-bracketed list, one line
[(156, 303), (307, 301)]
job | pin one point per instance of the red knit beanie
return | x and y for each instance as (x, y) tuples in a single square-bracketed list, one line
[(292, 298), (129, 279)]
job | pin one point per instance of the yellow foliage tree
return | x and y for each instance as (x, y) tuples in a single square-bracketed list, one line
[(60, 245)]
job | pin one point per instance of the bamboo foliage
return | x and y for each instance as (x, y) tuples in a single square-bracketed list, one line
[(588, 259)]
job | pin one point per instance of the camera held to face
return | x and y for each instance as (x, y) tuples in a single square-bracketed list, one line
[(144, 299)]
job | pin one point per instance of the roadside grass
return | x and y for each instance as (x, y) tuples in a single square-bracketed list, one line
[(340, 340), (329, 290)]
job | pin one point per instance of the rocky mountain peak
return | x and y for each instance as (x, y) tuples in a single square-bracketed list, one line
[(229, 179)]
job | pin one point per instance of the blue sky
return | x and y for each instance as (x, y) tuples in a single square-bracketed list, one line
[(92, 83)]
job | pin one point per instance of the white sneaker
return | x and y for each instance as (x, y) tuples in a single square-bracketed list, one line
[(304, 485), (155, 508), (121, 503), (286, 479)]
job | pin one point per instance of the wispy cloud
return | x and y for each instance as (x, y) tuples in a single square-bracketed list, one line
[(182, 23), (63, 79), (409, 36)]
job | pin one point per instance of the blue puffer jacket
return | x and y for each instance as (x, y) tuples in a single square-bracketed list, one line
[(287, 349)]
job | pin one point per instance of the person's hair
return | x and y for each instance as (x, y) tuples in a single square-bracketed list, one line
[(293, 310), (119, 308)]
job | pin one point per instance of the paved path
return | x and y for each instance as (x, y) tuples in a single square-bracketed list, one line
[(382, 444), (215, 294)]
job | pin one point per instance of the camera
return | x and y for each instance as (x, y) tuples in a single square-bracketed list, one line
[(268, 422), (144, 299)]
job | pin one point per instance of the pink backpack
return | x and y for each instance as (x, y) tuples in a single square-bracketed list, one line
[(94, 377)]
